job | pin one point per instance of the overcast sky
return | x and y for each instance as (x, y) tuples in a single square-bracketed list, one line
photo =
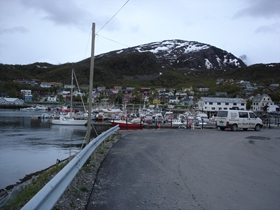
[(59, 31)]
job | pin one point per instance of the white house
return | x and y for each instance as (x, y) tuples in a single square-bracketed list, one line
[(260, 101), (181, 93), (52, 98), (25, 92), (173, 100), (45, 84), (202, 89), (11, 101), (212, 104), (69, 86), (78, 93)]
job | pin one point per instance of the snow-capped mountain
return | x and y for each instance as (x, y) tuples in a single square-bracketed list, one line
[(180, 54)]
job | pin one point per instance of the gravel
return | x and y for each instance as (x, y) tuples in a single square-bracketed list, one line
[(78, 193)]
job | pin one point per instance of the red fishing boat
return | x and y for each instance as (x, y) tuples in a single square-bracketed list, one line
[(134, 124)]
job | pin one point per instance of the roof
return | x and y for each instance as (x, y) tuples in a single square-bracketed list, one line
[(259, 97), (11, 99), (225, 100)]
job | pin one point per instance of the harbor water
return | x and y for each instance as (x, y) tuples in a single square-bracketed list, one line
[(29, 145)]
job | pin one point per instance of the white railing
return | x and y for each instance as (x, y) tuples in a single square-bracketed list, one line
[(47, 197)]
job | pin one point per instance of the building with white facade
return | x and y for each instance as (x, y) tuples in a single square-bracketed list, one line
[(14, 101), (25, 92), (260, 101), (45, 84), (52, 99), (173, 100), (213, 104)]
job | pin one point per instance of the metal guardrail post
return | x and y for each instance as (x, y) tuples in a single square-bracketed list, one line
[(47, 197)]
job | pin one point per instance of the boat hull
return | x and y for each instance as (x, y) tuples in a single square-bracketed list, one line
[(127, 125), (69, 122)]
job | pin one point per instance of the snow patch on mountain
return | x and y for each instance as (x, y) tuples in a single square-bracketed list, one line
[(208, 64), (180, 54)]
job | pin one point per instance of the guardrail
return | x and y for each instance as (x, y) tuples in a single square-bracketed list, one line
[(47, 197)]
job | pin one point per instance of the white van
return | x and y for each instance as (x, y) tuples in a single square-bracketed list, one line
[(236, 119)]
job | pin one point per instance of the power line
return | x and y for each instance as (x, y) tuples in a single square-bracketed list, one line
[(112, 40), (113, 16)]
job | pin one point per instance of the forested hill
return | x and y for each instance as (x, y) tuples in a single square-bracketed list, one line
[(171, 63)]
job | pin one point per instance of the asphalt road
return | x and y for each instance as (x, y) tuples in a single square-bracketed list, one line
[(190, 169)]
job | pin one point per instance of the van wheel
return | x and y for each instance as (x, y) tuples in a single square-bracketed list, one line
[(222, 128), (234, 127), (257, 127)]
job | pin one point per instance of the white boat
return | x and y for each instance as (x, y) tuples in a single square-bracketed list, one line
[(202, 116), (177, 122), (169, 116), (69, 118), (64, 120)]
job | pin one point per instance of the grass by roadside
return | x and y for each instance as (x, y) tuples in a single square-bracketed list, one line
[(31, 187)]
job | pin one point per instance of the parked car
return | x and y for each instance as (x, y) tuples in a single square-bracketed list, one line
[(198, 122), (238, 119)]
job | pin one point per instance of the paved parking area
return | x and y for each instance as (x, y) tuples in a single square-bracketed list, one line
[(190, 169)]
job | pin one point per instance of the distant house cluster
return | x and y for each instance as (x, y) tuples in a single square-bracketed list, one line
[(162, 97), (185, 96)]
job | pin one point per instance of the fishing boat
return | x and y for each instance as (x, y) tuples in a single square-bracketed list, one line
[(133, 124)]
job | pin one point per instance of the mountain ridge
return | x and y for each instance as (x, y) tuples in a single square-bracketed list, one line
[(165, 63), (181, 54)]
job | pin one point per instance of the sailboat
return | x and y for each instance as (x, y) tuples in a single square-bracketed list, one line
[(69, 119)]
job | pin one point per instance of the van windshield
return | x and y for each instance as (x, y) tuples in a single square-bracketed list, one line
[(222, 114)]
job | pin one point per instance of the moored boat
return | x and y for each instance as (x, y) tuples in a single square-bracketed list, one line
[(134, 124), (63, 120)]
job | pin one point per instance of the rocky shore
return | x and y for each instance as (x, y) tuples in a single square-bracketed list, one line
[(78, 192)]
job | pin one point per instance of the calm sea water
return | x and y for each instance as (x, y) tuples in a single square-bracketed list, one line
[(28, 145)]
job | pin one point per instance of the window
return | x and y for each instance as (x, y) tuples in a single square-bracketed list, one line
[(234, 104), (252, 115), (227, 103), (220, 108), (242, 104), (219, 103), (211, 103), (243, 114), (222, 114), (225, 108), (213, 108)]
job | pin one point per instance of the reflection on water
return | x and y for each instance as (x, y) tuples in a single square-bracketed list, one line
[(29, 145)]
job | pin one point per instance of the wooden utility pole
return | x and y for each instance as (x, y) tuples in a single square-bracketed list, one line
[(90, 84)]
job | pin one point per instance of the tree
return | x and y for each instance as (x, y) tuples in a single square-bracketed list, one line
[(60, 98), (119, 98), (249, 104), (35, 96)]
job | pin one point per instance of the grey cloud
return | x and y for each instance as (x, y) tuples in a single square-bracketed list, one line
[(18, 29), (274, 28), (62, 12), (260, 8)]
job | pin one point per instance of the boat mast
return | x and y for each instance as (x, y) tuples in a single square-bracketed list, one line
[(90, 85), (71, 97)]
